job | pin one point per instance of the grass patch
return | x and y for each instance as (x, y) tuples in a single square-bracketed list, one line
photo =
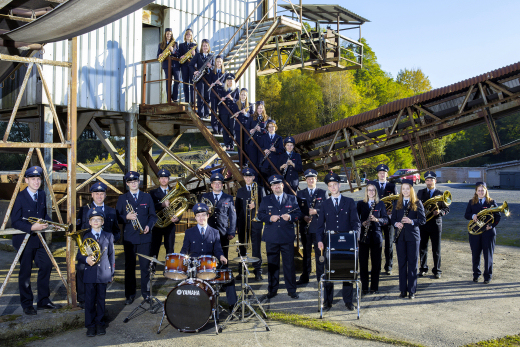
[(504, 341), (9, 318), (332, 327)]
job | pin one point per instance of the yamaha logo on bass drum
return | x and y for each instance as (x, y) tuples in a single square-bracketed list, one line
[(187, 292)]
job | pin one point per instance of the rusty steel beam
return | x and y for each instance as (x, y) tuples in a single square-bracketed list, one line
[(482, 93), (107, 144), (49, 185), (51, 104), (32, 145), (13, 265), (90, 172), (499, 88), (17, 103), (18, 59), (490, 123), (170, 145), (466, 99)]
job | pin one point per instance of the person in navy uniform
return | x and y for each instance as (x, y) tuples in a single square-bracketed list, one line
[(242, 111), (340, 215), (290, 162), (32, 202), (187, 76), (133, 241), (256, 128), (216, 79), (246, 210), (111, 225), (168, 233), (311, 201), (407, 244), (97, 274), (485, 242), (203, 58), (279, 211), (228, 96), (432, 229), (385, 188), (371, 244), (175, 66), (202, 239), (272, 145), (224, 217)]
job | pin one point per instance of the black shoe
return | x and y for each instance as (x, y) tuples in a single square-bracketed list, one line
[(437, 276), (374, 292), (30, 311), (271, 295), (258, 276), (475, 279), (349, 306), (49, 306), (302, 280), (100, 330), (487, 281), (326, 306), (422, 273), (91, 332), (81, 304), (388, 272), (402, 295), (129, 300), (294, 295), (411, 296)]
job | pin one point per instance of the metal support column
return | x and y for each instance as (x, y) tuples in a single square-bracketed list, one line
[(131, 142), (47, 133)]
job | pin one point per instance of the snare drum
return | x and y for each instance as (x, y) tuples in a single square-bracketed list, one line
[(342, 255), (206, 267), (223, 276), (176, 266)]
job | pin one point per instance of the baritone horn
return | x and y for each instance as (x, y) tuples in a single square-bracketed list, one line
[(88, 246), (388, 201), (178, 204), (431, 205), (485, 217)]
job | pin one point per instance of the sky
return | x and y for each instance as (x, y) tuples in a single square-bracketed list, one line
[(449, 41)]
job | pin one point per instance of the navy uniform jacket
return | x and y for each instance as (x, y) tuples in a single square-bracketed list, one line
[(110, 225), (103, 271), (410, 232), (475, 209), (375, 234), (279, 232), (345, 220), (234, 93), (224, 217), (292, 174), (243, 119), (266, 143), (195, 246), (144, 207), (318, 198), (213, 77), (251, 124), (390, 189), (174, 54), (185, 48), (424, 196), (25, 207), (243, 195), (198, 61), (157, 195)]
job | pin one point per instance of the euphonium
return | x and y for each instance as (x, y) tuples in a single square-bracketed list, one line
[(54, 225), (254, 198), (87, 247), (431, 205), (485, 217), (178, 204), (388, 202), (187, 57), (166, 53)]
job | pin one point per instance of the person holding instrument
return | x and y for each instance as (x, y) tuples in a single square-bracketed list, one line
[(256, 127), (483, 243), (372, 213), (32, 202), (216, 79), (187, 47), (432, 229), (272, 146), (242, 111), (137, 213), (228, 97), (407, 216), (175, 66), (202, 60), (290, 165)]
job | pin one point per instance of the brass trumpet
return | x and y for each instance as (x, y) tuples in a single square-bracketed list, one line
[(166, 53), (431, 205), (54, 225), (135, 222), (485, 217), (388, 201), (87, 247), (178, 204)]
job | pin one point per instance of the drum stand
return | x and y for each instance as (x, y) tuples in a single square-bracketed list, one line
[(244, 301), (154, 303)]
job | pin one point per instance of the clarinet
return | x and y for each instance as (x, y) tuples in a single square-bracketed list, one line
[(265, 157), (405, 215), (308, 225), (252, 134), (367, 227)]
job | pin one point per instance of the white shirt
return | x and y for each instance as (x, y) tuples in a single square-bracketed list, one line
[(249, 188), (407, 201), (217, 195), (96, 234), (136, 195), (382, 183), (200, 228), (102, 206), (32, 194), (311, 191)]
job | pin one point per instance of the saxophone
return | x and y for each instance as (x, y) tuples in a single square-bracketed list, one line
[(166, 53), (187, 57), (88, 246)]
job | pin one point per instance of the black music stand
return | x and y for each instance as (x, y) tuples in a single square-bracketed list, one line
[(329, 271)]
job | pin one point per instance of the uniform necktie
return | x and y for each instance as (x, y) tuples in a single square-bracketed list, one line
[(336, 204), (431, 193), (405, 203), (135, 197), (97, 237), (279, 198), (248, 188), (165, 191), (35, 197), (271, 136), (216, 199), (382, 185), (481, 203), (202, 231)]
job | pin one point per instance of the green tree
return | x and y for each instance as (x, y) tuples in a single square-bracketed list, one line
[(415, 80)]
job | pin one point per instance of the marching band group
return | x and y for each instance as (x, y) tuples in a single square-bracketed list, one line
[(280, 207)]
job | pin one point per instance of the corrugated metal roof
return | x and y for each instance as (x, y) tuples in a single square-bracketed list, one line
[(327, 14), (397, 105)]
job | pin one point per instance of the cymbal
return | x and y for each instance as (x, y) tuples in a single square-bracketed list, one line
[(236, 244), (246, 259), (152, 259)]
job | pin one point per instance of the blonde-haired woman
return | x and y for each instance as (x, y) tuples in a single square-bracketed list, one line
[(407, 216), (371, 237), (242, 110), (216, 78), (175, 66), (201, 61), (485, 242), (228, 97), (184, 48)]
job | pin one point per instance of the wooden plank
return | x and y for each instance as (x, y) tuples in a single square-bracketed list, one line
[(17, 103), (49, 186), (90, 172), (170, 145), (51, 104), (13, 265)]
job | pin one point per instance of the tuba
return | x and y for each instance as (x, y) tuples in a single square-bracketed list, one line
[(431, 205), (87, 247), (187, 57), (166, 53), (485, 217), (388, 201), (178, 204)]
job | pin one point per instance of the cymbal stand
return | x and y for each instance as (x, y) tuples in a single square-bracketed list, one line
[(155, 303), (244, 301)]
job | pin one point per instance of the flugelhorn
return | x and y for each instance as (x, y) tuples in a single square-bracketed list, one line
[(431, 205), (135, 222), (178, 204), (485, 217), (166, 53), (87, 247), (54, 225)]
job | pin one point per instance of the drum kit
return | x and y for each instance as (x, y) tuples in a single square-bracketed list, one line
[(191, 303)]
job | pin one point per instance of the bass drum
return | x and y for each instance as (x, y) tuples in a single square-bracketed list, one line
[(188, 306), (342, 256)]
